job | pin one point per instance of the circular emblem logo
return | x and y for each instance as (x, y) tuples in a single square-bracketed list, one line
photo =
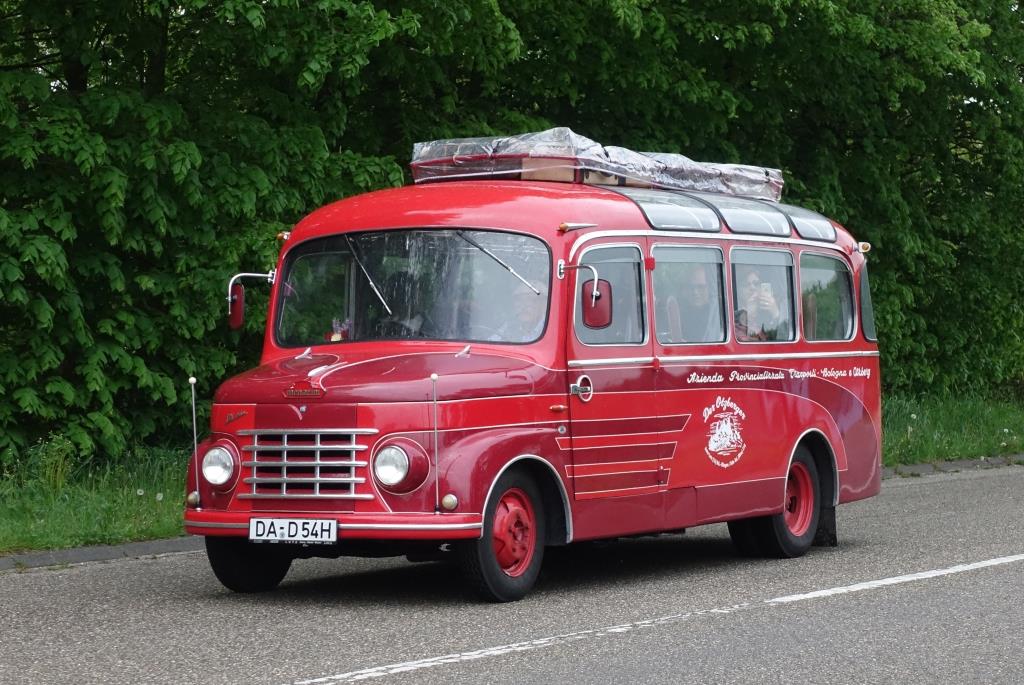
[(724, 423)]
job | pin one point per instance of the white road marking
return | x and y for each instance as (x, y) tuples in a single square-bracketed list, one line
[(896, 580), (539, 643), (555, 640)]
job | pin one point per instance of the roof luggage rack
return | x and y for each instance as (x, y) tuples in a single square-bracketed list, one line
[(559, 154)]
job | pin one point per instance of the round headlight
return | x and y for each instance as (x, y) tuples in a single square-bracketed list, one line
[(218, 465), (391, 465)]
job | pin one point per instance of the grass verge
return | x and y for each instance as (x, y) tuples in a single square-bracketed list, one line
[(51, 501), (929, 429)]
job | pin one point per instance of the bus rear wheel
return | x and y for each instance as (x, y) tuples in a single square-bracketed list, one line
[(242, 566), (790, 533), (503, 565)]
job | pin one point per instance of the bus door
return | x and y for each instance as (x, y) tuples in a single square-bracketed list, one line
[(690, 330), (618, 465)]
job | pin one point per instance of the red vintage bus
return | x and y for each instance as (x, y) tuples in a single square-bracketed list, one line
[(486, 364)]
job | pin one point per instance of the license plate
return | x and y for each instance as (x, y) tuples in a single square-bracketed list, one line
[(319, 531)]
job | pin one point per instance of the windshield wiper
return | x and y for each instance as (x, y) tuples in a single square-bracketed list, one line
[(373, 286), (496, 258)]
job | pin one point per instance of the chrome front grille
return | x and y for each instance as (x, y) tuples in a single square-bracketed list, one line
[(311, 463)]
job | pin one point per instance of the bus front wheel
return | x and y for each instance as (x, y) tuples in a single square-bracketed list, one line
[(503, 565), (242, 566)]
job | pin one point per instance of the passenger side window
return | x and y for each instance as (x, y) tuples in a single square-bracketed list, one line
[(763, 295), (622, 268), (826, 292), (689, 300)]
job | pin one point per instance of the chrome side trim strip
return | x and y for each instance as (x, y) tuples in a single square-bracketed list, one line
[(709, 486), (310, 431), (360, 526), (615, 361), (624, 361), (633, 487), (770, 355), (410, 526), (277, 495)]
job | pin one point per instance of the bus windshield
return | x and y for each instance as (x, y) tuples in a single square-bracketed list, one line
[(465, 285)]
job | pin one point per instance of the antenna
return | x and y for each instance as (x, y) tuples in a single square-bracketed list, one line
[(195, 435)]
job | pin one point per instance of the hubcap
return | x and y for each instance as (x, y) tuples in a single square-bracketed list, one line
[(514, 534), (799, 499)]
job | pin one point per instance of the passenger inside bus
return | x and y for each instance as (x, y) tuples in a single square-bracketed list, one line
[(757, 312), (699, 312), (526, 322)]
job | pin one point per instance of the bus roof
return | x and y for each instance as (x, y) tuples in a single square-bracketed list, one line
[(541, 207)]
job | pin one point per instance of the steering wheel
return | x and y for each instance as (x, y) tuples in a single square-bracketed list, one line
[(394, 328)]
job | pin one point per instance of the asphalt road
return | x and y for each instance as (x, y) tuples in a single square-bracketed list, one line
[(947, 552)]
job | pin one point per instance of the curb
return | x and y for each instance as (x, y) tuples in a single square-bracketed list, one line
[(80, 555), (954, 466), (192, 543)]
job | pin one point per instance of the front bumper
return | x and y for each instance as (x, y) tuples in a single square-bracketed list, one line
[(350, 526)]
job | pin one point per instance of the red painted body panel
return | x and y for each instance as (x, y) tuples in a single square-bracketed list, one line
[(635, 458)]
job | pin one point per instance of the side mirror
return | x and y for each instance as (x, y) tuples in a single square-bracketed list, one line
[(597, 311), (236, 306), (236, 297)]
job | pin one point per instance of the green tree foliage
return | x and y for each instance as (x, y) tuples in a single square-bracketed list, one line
[(149, 149)]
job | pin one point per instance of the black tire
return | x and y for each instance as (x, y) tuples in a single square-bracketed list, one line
[(515, 502), (242, 566), (781, 540), (791, 533), (746, 537)]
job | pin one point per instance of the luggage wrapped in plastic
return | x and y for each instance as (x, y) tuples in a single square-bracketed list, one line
[(559, 154)]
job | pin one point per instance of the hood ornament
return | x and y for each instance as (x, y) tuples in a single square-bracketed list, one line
[(303, 388)]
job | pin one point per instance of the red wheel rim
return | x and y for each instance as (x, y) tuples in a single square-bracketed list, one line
[(514, 533), (799, 499)]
